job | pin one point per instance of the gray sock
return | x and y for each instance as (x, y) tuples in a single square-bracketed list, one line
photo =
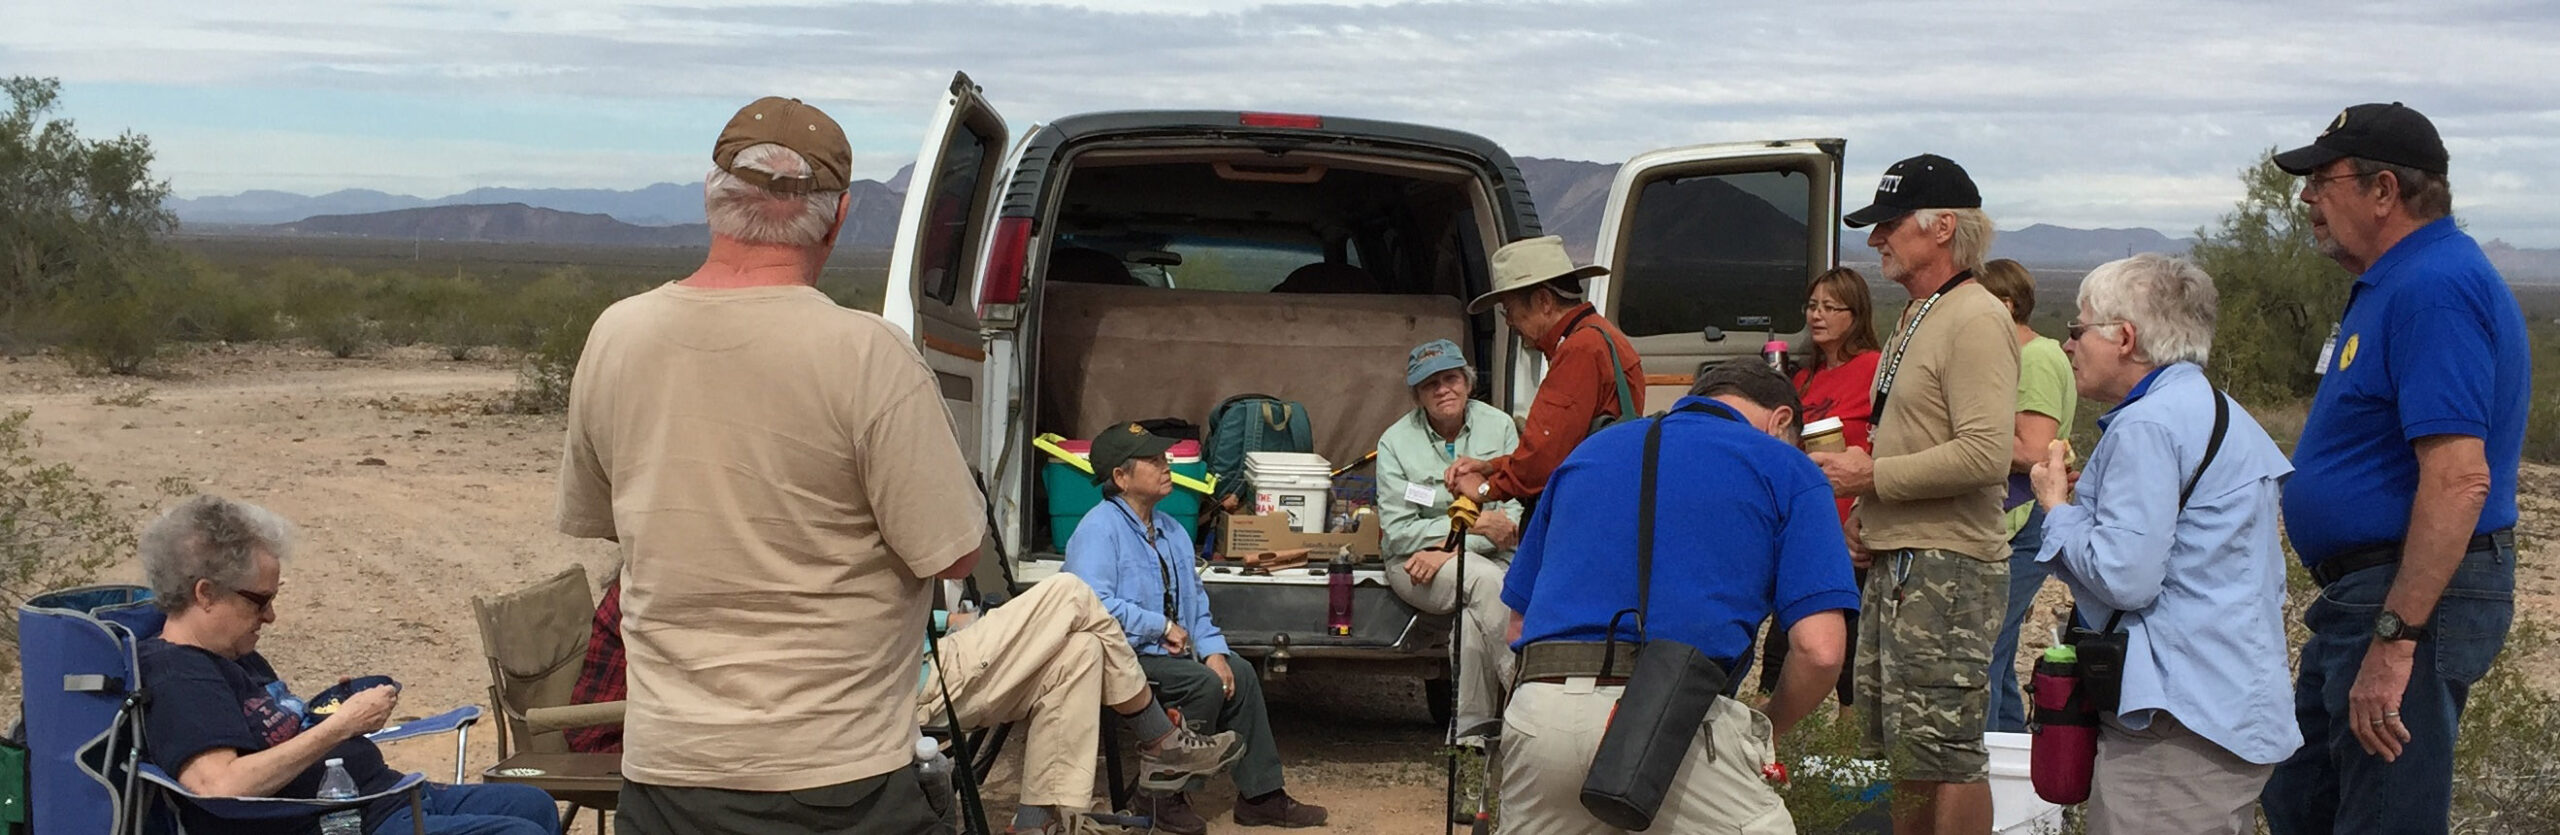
[(1030, 818), (1149, 722)]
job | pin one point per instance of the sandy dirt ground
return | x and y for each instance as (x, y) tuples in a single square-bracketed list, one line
[(412, 500)]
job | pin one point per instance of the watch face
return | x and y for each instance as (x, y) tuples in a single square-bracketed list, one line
[(2388, 626)]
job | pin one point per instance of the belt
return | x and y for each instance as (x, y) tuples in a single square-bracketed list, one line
[(2338, 567), (1560, 660)]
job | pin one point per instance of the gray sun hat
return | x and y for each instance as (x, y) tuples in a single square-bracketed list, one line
[(1431, 358), (1529, 262)]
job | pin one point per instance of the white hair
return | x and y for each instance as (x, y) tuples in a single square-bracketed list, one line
[(209, 538), (749, 212), (1971, 244), (2169, 300)]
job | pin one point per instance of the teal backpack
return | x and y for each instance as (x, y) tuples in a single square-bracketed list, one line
[(1252, 423)]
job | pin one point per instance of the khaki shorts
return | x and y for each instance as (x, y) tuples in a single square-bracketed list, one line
[(1926, 624)]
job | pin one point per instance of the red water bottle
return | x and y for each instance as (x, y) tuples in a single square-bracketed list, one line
[(2065, 754), (1338, 583)]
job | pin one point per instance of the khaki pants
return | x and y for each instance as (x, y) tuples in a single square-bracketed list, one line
[(1550, 731), (1052, 656), (2165, 778), (1487, 659)]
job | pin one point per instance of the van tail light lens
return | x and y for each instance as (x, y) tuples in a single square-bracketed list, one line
[(1005, 257), (1282, 120)]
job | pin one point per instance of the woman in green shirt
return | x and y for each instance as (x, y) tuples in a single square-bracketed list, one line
[(2046, 403)]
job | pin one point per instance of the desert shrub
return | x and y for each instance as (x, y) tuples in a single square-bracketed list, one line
[(2542, 424), (218, 305), (2278, 294), (558, 309), (117, 325), (2505, 780), (328, 307), (56, 529)]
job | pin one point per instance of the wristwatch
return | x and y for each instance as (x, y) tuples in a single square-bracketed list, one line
[(2389, 627), (1484, 489)]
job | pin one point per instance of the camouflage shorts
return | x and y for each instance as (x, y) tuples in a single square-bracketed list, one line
[(1926, 625)]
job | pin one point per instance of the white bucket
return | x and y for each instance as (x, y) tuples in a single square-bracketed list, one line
[(2015, 808), (1299, 484)]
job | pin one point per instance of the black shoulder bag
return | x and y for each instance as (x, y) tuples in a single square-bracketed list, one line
[(2102, 652), (1665, 702)]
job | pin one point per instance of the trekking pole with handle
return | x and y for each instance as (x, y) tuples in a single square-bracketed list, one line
[(1462, 516)]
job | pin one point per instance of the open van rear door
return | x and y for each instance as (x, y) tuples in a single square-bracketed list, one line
[(942, 232), (1710, 249)]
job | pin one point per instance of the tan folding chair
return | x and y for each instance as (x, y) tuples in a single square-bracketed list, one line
[(536, 641)]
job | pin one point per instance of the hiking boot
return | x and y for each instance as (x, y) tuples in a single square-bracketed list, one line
[(1186, 755), (1171, 813), (1278, 810)]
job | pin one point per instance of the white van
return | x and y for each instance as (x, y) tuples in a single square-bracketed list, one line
[(1207, 212)]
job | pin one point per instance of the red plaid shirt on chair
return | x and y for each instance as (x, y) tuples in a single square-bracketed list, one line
[(602, 679)]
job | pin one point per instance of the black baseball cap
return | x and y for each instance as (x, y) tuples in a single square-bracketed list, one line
[(1122, 443), (1927, 181), (2392, 133)]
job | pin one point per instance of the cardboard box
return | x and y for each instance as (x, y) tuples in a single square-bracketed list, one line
[(1250, 534)]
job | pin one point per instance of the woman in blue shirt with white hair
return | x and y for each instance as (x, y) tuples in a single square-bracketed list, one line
[(2172, 539)]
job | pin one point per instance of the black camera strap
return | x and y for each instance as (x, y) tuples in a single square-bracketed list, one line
[(1650, 476)]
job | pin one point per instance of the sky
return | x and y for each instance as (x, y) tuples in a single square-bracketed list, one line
[(2082, 114)]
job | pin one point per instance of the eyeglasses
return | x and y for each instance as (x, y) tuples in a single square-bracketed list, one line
[(2076, 327), (1819, 307), (2313, 185), (265, 602)]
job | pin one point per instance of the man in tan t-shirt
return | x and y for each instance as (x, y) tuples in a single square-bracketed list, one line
[(784, 483), (1928, 514)]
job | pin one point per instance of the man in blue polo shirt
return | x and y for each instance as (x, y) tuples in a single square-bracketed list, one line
[(1745, 526), (2403, 496)]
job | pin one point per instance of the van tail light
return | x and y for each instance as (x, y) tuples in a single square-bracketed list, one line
[(1282, 120), (1005, 262)]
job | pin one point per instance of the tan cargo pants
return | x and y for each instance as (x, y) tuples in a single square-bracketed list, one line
[(1052, 657), (1551, 729)]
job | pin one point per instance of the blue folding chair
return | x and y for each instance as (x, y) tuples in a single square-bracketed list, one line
[(84, 697)]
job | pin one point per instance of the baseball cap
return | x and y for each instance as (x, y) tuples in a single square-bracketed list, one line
[(1121, 443), (1430, 358), (790, 124), (2392, 133), (1927, 181)]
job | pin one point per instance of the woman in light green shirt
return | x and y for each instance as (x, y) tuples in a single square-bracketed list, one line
[(1413, 509), (2047, 401)]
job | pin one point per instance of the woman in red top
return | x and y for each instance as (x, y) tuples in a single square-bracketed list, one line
[(1839, 384)]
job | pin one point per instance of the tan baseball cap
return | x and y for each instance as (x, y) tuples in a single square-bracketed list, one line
[(790, 124), (1529, 262)]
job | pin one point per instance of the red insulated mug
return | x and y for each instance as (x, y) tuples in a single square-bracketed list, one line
[(2065, 753)]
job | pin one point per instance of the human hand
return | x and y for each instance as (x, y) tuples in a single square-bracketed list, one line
[(1226, 675), (1176, 641), (1851, 471), (1497, 526), (1859, 556), (1470, 485), (2373, 706), (2052, 477), (364, 712), (956, 620), (1424, 565)]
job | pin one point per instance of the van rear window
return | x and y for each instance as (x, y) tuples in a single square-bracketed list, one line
[(1192, 262), (1725, 250)]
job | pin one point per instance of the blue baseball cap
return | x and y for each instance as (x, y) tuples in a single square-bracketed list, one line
[(1430, 358)]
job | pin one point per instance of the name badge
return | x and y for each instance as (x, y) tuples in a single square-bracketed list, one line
[(2328, 348), (1421, 494)]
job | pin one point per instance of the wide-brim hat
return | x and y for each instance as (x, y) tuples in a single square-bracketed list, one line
[(1529, 262)]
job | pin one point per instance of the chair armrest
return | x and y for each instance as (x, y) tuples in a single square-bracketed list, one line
[(274, 808), (446, 722), (541, 720)]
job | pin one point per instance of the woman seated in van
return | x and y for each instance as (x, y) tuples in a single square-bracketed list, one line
[(1138, 562), (1413, 506)]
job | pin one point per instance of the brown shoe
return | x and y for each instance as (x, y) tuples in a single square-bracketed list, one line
[(1171, 813), (1279, 810)]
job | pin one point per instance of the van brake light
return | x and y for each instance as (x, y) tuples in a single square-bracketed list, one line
[(1282, 120), (1005, 261)]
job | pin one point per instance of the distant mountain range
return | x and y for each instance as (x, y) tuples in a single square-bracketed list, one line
[(1571, 196)]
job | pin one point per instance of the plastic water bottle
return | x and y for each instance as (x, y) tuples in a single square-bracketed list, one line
[(933, 769), (338, 786)]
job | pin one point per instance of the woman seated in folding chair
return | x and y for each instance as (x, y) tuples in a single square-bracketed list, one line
[(221, 722)]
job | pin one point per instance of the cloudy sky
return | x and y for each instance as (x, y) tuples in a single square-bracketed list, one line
[(2077, 113)]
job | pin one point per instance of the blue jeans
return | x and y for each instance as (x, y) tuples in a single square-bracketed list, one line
[(2332, 785), (2009, 706), (478, 809)]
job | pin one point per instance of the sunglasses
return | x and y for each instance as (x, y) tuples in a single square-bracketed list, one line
[(265, 602), (2076, 327)]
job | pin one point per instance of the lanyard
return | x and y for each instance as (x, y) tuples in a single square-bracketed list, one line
[(1171, 612), (1893, 366)]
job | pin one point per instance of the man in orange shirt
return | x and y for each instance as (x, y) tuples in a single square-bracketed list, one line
[(1592, 370)]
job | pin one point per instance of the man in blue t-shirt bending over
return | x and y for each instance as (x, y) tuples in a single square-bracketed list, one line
[(1744, 527)]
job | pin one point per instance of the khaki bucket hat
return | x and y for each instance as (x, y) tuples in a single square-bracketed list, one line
[(1529, 262)]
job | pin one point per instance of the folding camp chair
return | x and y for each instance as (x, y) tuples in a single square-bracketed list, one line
[(535, 640), (84, 698)]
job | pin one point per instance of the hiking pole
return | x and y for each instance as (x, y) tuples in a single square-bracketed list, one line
[(1462, 515)]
